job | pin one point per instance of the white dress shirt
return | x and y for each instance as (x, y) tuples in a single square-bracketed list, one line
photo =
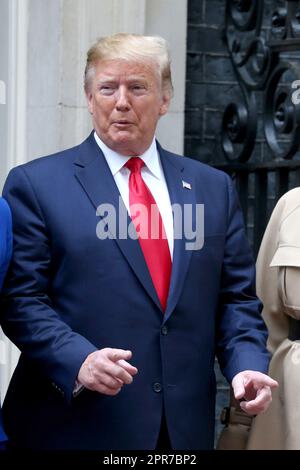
[(152, 174)]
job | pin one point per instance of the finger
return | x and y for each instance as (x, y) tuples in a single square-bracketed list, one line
[(260, 403), (110, 382), (264, 380), (117, 354), (112, 370), (238, 388), (252, 409), (272, 383), (102, 376), (120, 373), (128, 367)]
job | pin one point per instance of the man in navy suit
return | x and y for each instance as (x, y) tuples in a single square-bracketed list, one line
[(119, 336)]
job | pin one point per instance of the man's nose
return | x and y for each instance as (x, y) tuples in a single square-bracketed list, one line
[(122, 99)]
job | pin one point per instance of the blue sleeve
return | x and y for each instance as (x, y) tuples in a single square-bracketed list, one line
[(5, 238), (28, 317), (3, 437), (5, 255), (241, 333)]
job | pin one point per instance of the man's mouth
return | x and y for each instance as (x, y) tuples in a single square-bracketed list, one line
[(122, 123)]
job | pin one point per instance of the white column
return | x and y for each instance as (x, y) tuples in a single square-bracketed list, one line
[(44, 77), (4, 41), (17, 89), (129, 16)]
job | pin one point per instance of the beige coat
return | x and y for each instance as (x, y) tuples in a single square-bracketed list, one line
[(278, 286)]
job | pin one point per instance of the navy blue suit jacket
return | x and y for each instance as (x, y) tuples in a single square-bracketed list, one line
[(69, 293), (5, 254)]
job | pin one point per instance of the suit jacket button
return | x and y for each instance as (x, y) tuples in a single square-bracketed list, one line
[(164, 330), (157, 387)]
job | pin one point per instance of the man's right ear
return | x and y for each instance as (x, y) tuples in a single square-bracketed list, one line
[(165, 104), (89, 98)]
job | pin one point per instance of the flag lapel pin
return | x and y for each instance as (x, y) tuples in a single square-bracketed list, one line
[(186, 185)]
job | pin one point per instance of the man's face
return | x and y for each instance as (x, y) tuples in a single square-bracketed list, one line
[(126, 101)]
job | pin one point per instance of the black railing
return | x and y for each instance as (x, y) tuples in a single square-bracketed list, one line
[(267, 67)]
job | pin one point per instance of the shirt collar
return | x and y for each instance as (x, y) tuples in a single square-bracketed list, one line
[(116, 161)]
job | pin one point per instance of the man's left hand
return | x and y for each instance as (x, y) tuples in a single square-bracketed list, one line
[(254, 390)]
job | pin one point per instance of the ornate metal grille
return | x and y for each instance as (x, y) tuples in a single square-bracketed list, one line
[(267, 66)]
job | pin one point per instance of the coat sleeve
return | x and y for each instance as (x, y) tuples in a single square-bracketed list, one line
[(28, 316), (240, 333), (6, 239)]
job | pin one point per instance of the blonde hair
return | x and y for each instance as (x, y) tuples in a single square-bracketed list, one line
[(131, 47)]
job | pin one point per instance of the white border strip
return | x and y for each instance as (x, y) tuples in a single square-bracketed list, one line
[(17, 83), (16, 138)]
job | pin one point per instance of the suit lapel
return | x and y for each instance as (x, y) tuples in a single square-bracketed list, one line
[(180, 194), (94, 175), (96, 179)]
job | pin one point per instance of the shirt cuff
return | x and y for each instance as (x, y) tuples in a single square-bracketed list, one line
[(77, 389)]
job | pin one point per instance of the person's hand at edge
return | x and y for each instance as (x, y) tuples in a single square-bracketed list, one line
[(254, 391)]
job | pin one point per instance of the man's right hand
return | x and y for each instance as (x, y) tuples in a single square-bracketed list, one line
[(107, 370)]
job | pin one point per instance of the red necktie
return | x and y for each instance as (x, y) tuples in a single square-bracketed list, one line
[(150, 229)]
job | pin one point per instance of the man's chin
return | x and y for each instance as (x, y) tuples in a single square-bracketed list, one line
[(124, 143)]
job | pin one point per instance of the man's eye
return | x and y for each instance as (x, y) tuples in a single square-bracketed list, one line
[(138, 88), (107, 89)]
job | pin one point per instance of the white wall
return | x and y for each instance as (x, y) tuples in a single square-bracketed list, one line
[(60, 33), (168, 18), (43, 49)]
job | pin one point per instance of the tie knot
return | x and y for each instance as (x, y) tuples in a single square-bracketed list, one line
[(135, 164)]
